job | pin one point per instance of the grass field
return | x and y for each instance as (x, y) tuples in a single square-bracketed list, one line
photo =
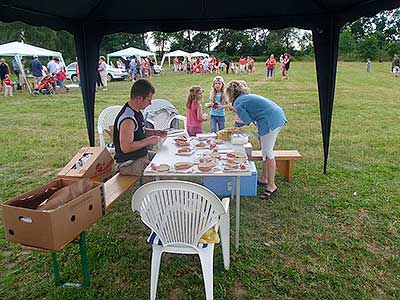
[(323, 237)]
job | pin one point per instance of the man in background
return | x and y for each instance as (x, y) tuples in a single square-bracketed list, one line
[(37, 69), (17, 71), (52, 69)]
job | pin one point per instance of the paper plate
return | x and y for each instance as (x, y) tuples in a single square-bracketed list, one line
[(199, 144)]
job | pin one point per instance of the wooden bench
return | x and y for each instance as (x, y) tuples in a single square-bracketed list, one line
[(284, 160), (116, 186)]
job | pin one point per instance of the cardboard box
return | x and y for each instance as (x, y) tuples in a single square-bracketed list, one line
[(51, 229), (90, 162), (222, 186)]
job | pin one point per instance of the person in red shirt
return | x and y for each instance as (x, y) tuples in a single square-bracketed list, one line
[(8, 86), (251, 65), (270, 65), (197, 68), (242, 64)]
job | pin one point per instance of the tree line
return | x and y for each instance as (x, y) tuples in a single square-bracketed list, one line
[(376, 38)]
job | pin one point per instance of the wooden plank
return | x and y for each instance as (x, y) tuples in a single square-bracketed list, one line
[(117, 186), (284, 161), (287, 154), (279, 155)]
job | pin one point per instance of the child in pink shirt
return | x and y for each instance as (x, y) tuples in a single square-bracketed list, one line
[(194, 112), (9, 88)]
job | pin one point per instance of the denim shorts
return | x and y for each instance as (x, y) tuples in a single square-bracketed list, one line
[(61, 84)]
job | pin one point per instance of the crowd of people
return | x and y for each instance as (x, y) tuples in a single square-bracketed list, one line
[(137, 67), (53, 74), (245, 65), (132, 139), (210, 65)]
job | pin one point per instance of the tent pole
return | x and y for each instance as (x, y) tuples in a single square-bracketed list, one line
[(326, 45), (21, 68), (87, 44)]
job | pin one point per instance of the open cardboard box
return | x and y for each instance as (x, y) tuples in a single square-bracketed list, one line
[(51, 229), (90, 162)]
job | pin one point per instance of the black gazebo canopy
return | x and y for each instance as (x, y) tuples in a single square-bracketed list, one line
[(90, 20)]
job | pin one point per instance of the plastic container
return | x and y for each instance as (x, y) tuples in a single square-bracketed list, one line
[(222, 185)]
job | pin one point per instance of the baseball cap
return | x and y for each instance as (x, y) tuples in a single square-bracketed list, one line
[(34, 56)]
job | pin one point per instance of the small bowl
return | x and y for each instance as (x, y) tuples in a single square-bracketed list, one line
[(163, 168)]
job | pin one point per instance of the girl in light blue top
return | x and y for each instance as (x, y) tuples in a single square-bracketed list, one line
[(218, 105), (269, 119)]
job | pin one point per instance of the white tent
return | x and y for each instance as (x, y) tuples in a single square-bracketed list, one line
[(128, 52), (199, 54), (176, 53), (19, 50)]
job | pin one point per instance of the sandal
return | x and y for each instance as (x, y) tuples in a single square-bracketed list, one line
[(260, 183), (268, 194)]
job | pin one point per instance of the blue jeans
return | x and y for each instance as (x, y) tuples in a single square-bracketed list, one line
[(270, 72), (214, 120)]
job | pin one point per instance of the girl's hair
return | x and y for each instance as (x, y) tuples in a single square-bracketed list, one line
[(235, 88), (192, 97), (213, 92)]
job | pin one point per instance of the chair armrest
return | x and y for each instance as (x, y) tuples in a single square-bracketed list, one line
[(180, 117), (152, 123), (225, 203), (183, 119), (101, 139)]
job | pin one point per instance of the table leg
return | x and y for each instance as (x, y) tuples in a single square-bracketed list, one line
[(237, 212), (232, 189)]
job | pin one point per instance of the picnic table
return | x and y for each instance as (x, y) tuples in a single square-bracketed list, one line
[(167, 154)]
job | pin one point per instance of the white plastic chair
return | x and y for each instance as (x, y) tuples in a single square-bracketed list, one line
[(106, 119), (158, 116), (179, 213)]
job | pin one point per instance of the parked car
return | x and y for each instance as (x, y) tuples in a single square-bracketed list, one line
[(112, 73)]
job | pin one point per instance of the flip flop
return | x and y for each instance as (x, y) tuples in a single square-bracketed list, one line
[(261, 183), (268, 194)]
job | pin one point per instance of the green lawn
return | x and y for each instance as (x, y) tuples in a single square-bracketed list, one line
[(323, 237)]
